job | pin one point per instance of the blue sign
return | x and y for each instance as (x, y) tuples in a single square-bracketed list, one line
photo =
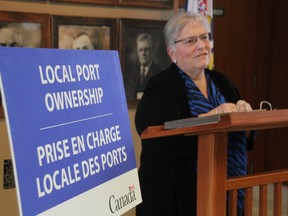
[(68, 120)]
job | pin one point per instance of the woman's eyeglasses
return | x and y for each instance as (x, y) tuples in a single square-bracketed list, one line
[(190, 41)]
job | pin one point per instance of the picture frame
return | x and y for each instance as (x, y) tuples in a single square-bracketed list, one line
[(98, 2), (19, 29), (130, 30), (160, 4), (102, 32)]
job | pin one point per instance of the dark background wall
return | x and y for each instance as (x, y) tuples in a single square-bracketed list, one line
[(251, 47)]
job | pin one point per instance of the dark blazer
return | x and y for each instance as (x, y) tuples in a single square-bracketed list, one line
[(168, 165), (165, 99)]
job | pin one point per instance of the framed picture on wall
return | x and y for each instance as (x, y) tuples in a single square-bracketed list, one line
[(100, 2), (85, 33), (142, 54), (161, 4), (24, 30)]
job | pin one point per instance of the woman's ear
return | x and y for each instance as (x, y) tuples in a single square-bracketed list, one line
[(171, 53)]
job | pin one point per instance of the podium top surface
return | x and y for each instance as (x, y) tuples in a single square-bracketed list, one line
[(237, 121)]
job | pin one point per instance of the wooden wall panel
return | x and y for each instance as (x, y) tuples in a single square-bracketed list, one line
[(251, 47), (277, 141)]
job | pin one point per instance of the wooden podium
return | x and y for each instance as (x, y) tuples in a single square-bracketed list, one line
[(212, 183)]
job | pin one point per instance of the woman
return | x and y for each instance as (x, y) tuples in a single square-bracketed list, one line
[(168, 167)]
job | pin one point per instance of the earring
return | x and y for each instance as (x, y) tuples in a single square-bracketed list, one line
[(174, 61)]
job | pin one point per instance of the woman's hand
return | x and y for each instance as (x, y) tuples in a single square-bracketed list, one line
[(240, 106), (243, 106), (223, 108)]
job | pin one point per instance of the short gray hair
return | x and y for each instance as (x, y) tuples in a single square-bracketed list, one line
[(175, 25)]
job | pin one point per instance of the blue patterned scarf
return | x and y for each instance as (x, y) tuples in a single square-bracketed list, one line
[(237, 144)]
